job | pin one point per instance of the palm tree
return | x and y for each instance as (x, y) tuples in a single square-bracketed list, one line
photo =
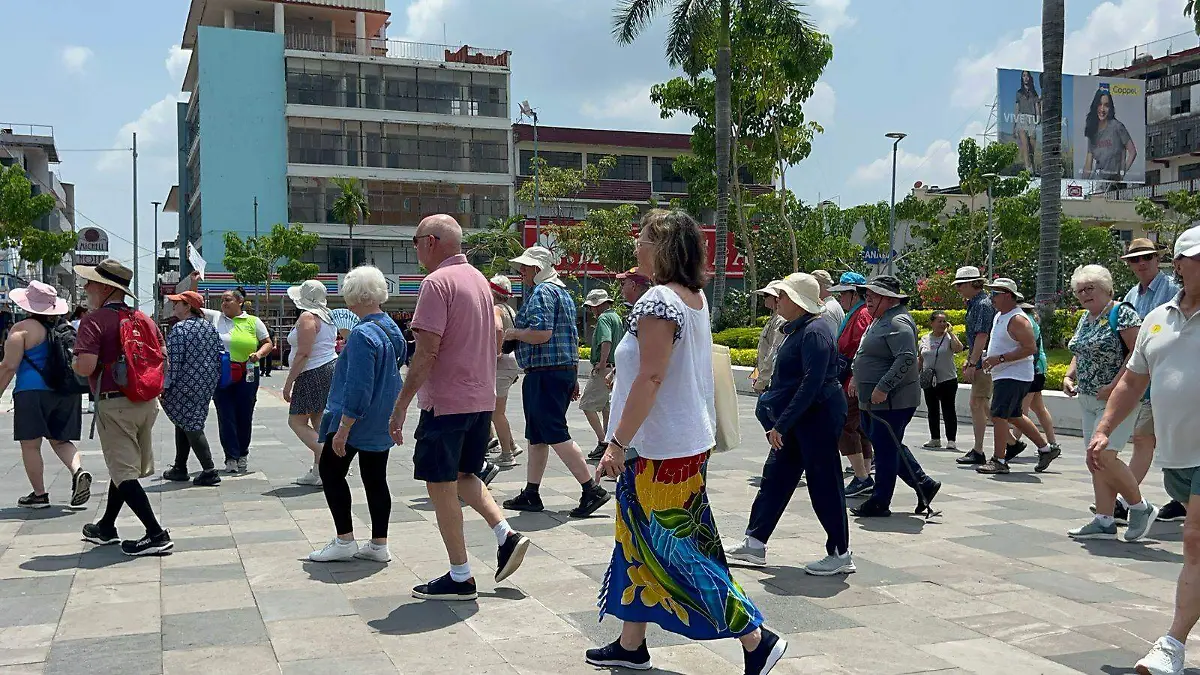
[(350, 207), (1053, 29), (696, 24)]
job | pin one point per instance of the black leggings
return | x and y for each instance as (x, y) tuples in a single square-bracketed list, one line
[(372, 466), (186, 442), (940, 399)]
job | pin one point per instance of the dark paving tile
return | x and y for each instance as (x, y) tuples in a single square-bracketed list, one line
[(221, 628), (797, 615), (1106, 662), (268, 537), (406, 615), (118, 655), (1071, 587), (595, 572), (55, 584), (602, 633), (1021, 533), (1009, 547), (31, 610), (198, 575), (204, 543)]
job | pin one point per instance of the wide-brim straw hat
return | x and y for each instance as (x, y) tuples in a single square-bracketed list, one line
[(40, 298), (1008, 285), (1139, 247), (110, 273), (804, 290), (311, 296), (965, 275)]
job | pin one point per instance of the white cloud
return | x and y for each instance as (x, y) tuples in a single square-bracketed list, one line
[(425, 20), (1110, 27), (157, 129), (936, 165), (629, 107), (821, 106), (177, 62), (830, 15), (74, 58)]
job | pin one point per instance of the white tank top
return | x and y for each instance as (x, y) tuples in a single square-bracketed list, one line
[(1003, 343), (323, 346)]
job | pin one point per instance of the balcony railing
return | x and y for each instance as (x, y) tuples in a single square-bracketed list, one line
[(1142, 53), (1160, 190), (396, 49)]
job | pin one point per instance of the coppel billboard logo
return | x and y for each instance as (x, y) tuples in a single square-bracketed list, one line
[(1120, 89)]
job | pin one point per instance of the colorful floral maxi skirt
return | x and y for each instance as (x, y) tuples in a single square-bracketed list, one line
[(668, 566)]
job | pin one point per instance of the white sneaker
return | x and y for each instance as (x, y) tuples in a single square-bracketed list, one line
[(231, 466), (311, 478), (831, 565), (335, 551), (744, 552), (1164, 658), (374, 553), (950, 445), (506, 461)]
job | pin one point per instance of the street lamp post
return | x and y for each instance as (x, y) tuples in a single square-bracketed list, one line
[(989, 177), (898, 136), (527, 111), (155, 284)]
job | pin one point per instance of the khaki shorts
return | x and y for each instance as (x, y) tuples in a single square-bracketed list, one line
[(1145, 421), (125, 429), (596, 394), (982, 386), (505, 379)]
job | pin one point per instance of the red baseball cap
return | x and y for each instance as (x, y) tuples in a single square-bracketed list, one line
[(190, 297), (634, 275)]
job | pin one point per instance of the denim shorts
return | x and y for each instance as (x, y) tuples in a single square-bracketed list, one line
[(449, 445), (547, 395)]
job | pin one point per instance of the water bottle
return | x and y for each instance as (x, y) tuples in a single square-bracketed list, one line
[(251, 372)]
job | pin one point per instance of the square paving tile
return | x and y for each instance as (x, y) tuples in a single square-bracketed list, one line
[(302, 603), (112, 655), (306, 639), (224, 660), (218, 628)]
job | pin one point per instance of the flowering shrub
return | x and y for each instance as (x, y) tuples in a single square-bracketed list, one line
[(937, 290)]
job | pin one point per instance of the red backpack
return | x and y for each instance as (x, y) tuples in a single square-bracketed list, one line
[(140, 370)]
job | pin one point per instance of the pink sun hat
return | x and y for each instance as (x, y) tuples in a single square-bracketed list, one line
[(40, 298)]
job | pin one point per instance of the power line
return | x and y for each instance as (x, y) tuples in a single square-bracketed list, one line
[(97, 150)]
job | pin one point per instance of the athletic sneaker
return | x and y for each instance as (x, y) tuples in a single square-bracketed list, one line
[(374, 553), (312, 478), (231, 466), (506, 461), (446, 588), (972, 457), (177, 473), (1120, 513), (97, 534), (81, 488), (1140, 521), (615, 656), (1014, 449), (243, 465), (34, 501), (1094, 530), (489, 472), (599, 451), (860, 486), (510, 555), (336, 550), (932, 444), (1164, 658), (766, 655), (207, 478), (493, 446), (148, 545), (589, 501), (993, 466), (744, 552), (1044, 458), (1172, 512), (831, 565), (525, 501)]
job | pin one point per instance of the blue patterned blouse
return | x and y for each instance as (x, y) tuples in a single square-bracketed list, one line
[(193, 369)]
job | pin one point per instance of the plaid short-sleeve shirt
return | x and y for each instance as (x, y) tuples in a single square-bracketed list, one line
[(548, 307), (980, 316)]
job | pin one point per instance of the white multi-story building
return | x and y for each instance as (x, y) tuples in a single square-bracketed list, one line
[(32, 148)]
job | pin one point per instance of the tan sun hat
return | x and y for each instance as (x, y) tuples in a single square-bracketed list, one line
[(311, 296), (804, 290), (597, 297), (771, 289), (110, 273)]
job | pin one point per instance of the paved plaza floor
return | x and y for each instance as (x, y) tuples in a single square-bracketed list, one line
[(992, 586)]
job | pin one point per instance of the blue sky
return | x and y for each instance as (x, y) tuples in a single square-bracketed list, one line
[(924, 67)]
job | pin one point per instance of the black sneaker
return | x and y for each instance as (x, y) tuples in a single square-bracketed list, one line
[(488, 473), (445, 588), (870, 509), (148, 545), (615, 656), (207, 478), (993, 466), (972, 457), (97, 534), (81, 488), (1014, 449), (766, 655), (1172, 512), (1044, 458), (590, 501), (925, 496), (1120, 513), (599, 451), (177, 473), (34, 501), (525, 501), (510, 555)]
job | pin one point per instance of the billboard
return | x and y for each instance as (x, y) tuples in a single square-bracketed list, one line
[(1103, 127)]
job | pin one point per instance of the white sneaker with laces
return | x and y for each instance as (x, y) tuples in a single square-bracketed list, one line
[(746, 553), (374, 552), (231, 466), (1164, 658), (831, 565), (335, 551), (311, 478)]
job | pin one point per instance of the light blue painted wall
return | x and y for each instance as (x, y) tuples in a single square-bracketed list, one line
[(243, 135)]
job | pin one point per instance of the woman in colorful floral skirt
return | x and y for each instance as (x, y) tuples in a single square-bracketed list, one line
[(667, 566)]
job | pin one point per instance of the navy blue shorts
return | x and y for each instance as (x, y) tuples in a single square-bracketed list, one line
[(547, 395), (449, 445)]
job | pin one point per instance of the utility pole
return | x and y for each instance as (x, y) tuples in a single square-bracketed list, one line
[(991, 274), (136, 251), (891, 264), (155, 285), (256, 237)]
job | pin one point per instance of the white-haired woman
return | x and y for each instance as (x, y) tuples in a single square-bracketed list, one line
[(1100, 347), (507, 371), (366, 382)]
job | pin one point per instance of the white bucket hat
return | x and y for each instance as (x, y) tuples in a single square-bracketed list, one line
[(543, 259), (596, 298), (1006, 284), (802, 289), (771, 289), (311, 296), (965, 275)]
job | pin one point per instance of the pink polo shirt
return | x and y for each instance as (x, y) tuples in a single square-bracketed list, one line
[(455, 302)]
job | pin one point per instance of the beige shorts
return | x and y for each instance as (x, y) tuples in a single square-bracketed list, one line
[(982, 386), (596, 394), (125, 429), (1145, 421), (505, 379)]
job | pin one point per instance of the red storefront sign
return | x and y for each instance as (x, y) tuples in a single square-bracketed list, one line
[(735, 265)]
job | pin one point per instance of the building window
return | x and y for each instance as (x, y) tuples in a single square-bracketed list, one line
[(629, 167), (397, 146), (562, 160), (387, 87), (1189, 171), (665, 177), (1181, 101), (310, 200), (1158, 107), (1153, 177)]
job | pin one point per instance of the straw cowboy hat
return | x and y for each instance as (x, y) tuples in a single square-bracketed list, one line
[(40, 298), (965, 275), (501, 285), (1007, 285), (771, 289), (543, 259), (885, 285), (802, 289), (1139, 247), (597, 297), (110, 273), (311, 296)]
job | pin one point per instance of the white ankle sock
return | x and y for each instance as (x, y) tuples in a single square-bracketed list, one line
[(1045, 448), (1104, 520), (754, 543), (460, 573), (502, 530)]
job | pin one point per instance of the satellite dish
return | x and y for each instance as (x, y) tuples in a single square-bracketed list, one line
[(525, 109)]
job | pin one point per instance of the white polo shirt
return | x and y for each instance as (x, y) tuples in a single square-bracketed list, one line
[(1166, 350)]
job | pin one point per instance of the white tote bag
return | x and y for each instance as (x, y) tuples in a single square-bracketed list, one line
[(729, 433)]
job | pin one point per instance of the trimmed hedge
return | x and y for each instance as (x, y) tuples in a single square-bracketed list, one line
[(738, 338)]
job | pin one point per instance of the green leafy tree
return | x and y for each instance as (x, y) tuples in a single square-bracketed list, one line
[(1182, 209), (350, 207), (697, 25), (1189, 9), (20, 209), (256, 260), (1050, 229), (557, 185), (490, 249)]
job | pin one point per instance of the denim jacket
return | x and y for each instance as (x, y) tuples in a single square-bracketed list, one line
[(807, 367), (366, 382)]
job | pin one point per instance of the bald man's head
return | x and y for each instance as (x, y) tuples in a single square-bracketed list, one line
[(446, 229)]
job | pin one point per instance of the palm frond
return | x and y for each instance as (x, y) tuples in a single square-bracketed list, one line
[(691, 32), (631, 18)]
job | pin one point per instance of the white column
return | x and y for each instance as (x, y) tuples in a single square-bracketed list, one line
[(228, 18), (360, 32), (279, 17)]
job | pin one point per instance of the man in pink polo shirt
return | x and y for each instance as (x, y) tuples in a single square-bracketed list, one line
[(453, 376)]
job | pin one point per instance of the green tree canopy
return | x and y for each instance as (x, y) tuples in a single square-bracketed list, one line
[(20, 209), (256, 260)]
